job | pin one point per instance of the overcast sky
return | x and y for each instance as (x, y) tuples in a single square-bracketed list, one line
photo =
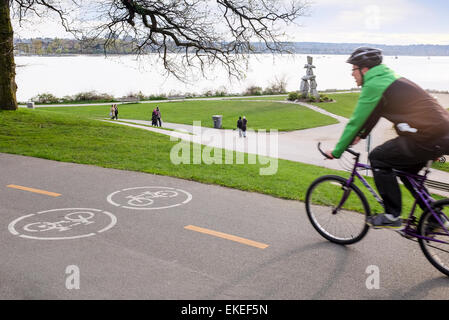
[(362, 21), (377, 21)]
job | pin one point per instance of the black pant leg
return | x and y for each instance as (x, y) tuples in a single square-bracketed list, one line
[(408, 185), (401, 153)]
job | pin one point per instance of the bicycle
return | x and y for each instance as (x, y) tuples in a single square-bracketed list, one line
[(338, 210)]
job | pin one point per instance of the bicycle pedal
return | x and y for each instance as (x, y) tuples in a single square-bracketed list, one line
[(404, 234)]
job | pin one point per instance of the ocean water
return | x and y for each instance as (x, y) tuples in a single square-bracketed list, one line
[(124, 74)]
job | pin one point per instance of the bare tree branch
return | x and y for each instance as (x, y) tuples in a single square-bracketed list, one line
[(184, 34)]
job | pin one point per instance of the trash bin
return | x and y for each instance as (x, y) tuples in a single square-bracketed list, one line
[(30, 105), (217, 121)]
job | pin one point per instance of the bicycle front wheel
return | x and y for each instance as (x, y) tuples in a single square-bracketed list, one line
[(434, 240), (337, 211)]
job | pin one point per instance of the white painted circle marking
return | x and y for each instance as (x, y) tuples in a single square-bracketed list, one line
[(73, 223), (149, 198)]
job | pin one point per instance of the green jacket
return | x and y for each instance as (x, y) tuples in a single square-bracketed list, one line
[(375, 82)]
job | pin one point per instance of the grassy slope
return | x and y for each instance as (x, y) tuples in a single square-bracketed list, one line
[(260, 115), (343, 106), (274, 98)]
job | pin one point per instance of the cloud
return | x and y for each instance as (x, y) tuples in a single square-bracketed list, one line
[(369, 14), (373, 21), (372, 37)]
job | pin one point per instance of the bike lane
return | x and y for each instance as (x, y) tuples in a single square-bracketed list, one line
[(186, 249)]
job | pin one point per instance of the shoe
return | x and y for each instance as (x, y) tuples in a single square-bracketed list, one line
[(381, 221)]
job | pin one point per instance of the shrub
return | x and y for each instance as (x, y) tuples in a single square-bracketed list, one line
[(45, 98), (207, 93), (93, 96), (132, 96), (67, 99), (324, 98), (292, 96), (278, 86), (190, 95), (156, 97), (253, 91)]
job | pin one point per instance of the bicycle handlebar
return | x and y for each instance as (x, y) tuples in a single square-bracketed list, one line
[(322, 152), (348, 150)]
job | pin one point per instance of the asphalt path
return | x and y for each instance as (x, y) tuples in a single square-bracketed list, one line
[(195, 241)]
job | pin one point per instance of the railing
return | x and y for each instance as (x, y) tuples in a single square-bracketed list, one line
[(437, 185)]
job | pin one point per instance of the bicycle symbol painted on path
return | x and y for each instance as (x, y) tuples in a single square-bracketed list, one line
[(63, 224), (70, 221), (146, 198), (149, 198)]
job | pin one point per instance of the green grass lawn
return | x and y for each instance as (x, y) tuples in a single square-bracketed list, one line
[(274, 98), (70, 138), (442, 166), (343, 106), (260, 115), (158, 99)]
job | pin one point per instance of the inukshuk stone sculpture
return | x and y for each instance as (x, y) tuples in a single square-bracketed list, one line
[(304, 88)]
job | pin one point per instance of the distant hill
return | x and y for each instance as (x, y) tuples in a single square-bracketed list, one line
[(49, 46), (389, 50)]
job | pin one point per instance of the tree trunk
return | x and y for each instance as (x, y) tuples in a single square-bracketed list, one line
[(8, 85)]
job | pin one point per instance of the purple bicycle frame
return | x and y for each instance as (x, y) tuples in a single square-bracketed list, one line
[(417, 182)]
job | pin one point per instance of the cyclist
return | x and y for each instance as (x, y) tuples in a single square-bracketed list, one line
[(421, 123)]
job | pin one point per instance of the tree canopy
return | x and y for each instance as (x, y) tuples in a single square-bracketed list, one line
[(184, 33)]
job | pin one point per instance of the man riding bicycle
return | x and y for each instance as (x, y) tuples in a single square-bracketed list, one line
[(421, 123)]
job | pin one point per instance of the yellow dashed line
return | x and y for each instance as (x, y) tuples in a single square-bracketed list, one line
[(227, 236), (48, 193)]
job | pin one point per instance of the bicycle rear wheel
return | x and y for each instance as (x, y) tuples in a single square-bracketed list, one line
[(337, 212), (436, 244)]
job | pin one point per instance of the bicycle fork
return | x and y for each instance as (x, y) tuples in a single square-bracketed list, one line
[(345, 196)]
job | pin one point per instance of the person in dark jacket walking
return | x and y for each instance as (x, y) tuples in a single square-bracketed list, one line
[(116, 111), (239, 126), (421, 123), (244, 122), (154, 118), (158, 117)]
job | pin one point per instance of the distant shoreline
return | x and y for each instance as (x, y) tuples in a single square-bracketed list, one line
[(261, 53), (71, 46), (441, 96)]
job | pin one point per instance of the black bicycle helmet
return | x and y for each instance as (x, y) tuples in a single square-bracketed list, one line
[(365, 57)]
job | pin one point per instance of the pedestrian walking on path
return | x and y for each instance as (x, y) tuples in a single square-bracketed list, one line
[(239, 126), (116, 112), (159, 121), (154, 118), (112, 112), (244, 122)]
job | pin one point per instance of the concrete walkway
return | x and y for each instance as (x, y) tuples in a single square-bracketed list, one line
[(299, 145)]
